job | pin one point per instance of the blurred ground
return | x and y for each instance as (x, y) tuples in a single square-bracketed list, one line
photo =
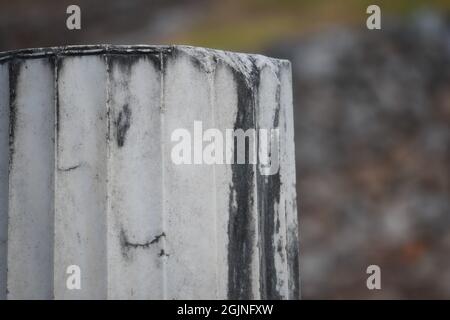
[(372, 130), (372, 116)]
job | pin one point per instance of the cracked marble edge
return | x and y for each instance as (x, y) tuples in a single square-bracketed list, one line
[(242, 61)]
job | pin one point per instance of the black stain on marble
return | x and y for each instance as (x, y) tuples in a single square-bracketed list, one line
[(68, 169), (125, 63), (123, 123), (293, 259), (14, 73), (269, 189), (241, 226), (126, 245)]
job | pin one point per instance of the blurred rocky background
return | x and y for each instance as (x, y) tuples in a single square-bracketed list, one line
[(372, 116)]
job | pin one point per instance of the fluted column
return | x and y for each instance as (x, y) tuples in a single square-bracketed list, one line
[(88, 176)]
